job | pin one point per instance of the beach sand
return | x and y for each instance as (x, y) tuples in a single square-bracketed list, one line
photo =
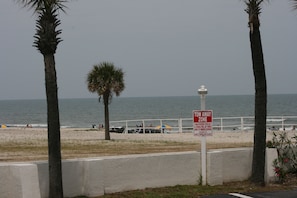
[(30, 144), (21, 134)]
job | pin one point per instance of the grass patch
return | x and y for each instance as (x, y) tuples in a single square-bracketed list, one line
[(197, 191), (28, 150)]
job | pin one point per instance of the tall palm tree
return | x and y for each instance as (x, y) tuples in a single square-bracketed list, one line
[(295, 4), (46, 41), (258, 166), (106, 79)]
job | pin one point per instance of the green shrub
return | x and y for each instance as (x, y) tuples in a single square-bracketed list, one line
[(286, 161)]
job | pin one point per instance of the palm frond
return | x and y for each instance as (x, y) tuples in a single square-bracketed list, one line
[(253, 9), (46, 37), (294, 4), (36, 5), (106, 80)]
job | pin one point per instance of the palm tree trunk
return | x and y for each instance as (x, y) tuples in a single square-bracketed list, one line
[(54, 141), (258, 166), (106, 114)]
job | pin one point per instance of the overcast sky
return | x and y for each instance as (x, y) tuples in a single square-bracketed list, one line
[(165, 47)]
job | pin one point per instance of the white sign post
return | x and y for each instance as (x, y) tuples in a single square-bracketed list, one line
[(202, 126)]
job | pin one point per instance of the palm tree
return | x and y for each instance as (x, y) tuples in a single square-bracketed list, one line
[(295, 4), (46, 41), (106, 79), (258, 166)]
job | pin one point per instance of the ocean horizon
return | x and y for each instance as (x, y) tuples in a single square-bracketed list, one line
[(85, 112)]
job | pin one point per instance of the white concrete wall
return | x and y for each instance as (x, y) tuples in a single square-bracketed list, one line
[(96, 176), (214, 167), (80, 177), (271, 155), (153, 170), (237, 164), (226, 165), (19, 181), (93, 177)]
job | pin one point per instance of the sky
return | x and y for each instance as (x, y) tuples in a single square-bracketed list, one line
[(165, 47)]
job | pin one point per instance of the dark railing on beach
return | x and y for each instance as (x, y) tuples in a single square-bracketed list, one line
[(184, 125)]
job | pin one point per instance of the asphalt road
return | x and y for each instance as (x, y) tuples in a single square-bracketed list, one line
[(277, 194)]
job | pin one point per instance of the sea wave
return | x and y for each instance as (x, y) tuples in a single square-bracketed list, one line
[(30, 126), (275, 120)]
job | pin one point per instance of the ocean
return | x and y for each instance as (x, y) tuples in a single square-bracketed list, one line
[(83, 113)]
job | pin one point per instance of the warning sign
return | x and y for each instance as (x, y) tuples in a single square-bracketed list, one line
[(202, 122)]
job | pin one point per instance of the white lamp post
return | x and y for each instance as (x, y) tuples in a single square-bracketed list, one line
[(202, 91)]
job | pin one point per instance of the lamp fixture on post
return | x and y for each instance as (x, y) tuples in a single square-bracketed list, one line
[(202, 91)]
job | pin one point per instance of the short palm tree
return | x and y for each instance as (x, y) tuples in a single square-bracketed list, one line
[(106, 79), (46, 41), (258, 166)]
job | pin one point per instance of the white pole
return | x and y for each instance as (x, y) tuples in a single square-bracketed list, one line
[(241, 123), (203, 91), (180, 126), (203, 147)]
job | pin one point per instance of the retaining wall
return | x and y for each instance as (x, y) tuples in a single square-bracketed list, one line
[(97, 176)]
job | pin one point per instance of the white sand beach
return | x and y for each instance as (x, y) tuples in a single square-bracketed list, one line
[(30, 144), (21, 134)]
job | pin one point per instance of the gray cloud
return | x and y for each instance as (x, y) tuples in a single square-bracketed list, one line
[(166, 48)]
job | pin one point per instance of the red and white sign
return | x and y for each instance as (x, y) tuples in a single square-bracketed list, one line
[(202, 122)]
